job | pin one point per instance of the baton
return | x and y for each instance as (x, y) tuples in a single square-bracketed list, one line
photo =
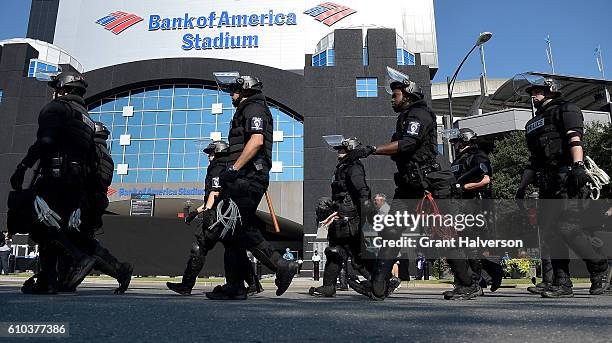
[(272, 213)]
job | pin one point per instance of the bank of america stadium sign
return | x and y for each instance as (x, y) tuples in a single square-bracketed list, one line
[(201, 40)]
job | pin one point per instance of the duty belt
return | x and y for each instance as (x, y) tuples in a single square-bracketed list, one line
[(415, 174), (57, 167)]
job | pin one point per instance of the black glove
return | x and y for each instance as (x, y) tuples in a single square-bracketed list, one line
[(363, 151), (191, 216), (578, 175), (17, 177), (229, 175), (209, 217)]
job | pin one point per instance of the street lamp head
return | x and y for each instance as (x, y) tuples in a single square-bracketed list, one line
[(483, 38)]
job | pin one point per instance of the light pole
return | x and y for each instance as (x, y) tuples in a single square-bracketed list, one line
[(450, 84)]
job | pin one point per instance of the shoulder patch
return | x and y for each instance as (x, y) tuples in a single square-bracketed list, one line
[(413, 128), (256, 123)]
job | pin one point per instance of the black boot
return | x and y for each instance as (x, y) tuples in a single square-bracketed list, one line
[(254, 286), (461, 292), (600, 282), (228, 292), (284, 275), (380, 278), (561, 291), (323, 291), (80, 271), (540, 288), (124, 276), (36, 285), (393, 284), (179, 288)]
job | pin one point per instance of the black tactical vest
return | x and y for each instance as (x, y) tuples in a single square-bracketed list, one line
[(77, 140), (545, 137), (104, 172), (238, 135), (341, 196), (464, 163), (426, 153)]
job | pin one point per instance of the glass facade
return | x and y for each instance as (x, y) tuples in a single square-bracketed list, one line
[(169, 125), (39, 69), (325, 58), (405, 57), (366, 87)]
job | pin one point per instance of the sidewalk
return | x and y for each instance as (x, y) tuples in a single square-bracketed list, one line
[(298, 282)]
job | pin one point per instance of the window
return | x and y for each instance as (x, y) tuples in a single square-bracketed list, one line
[(169, 123), (1, 94), (366, 60), (366, 87), (405, 58), (326, 58), (40, 69)]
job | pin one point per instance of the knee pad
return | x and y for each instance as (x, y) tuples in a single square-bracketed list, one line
[(335, 253), (195, 249)]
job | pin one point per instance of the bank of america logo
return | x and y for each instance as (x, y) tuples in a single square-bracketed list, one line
[(329, 13), (117, 22)]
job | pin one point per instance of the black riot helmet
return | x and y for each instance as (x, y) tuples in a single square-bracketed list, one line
[(233, 82), (101, 131), (348, 144), (526, 83), (465, 135), (398, 80), (71, 81), (216, 148), (338, 142), (548, 85)]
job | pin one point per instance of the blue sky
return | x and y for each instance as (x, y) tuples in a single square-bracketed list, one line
[(519, 28)]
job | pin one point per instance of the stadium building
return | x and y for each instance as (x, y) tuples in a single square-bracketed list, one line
[(149, 65)]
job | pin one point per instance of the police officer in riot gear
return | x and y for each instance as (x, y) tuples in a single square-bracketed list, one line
[(351, 200), (64, 148), (208, 238), (420, 171), (554, 139), (244, 183), (472, 169), (100, 177)]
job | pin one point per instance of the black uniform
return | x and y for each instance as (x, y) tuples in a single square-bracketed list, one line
[(548, 142), (350, 193), (469, 160), (208, 237), (470, 166), (247, 189), (100, 177), (65, 148), (420, 170)]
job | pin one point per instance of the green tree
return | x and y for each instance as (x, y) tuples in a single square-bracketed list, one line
[(508, 160)]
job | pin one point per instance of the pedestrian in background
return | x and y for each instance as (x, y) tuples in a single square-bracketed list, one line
[(316, 260), (5, 252)]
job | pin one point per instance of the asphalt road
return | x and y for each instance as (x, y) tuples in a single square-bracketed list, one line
[(150, 313)]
